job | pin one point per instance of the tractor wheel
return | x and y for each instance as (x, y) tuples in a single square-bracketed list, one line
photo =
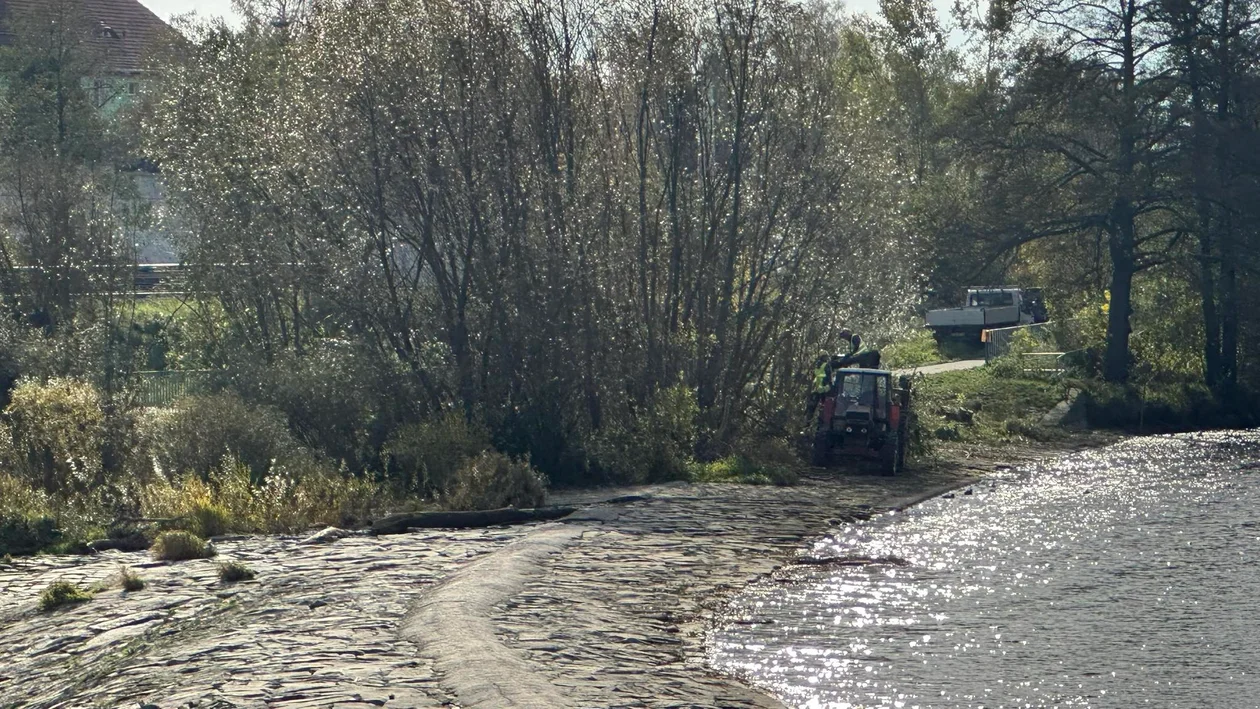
[(892, 454), (903, 431), (818, 453)]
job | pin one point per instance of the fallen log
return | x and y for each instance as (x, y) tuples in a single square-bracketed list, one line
[(134, 542), (399, 523)]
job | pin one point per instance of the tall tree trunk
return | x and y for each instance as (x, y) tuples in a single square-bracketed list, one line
[(1116, 362), (1229, 308), (1122, 242), (647, 252), (1224, 159), (738, 68), (1207, 292), (1186, 26)]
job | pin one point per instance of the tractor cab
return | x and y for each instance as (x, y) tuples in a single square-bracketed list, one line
[(863, 415)]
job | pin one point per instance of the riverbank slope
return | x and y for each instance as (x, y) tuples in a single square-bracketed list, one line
[(608, 608)]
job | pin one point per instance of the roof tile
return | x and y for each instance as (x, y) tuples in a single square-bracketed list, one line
[(124, 31)]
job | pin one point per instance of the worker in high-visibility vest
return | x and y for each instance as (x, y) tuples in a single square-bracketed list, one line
[(822, 382), (859, 356)]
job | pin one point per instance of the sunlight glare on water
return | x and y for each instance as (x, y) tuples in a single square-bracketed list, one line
[(1118, 577)]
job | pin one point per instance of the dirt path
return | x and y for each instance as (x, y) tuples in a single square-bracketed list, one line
[(607, 609)]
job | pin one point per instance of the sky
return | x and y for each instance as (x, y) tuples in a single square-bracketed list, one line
[(206, 8), (209, 8)]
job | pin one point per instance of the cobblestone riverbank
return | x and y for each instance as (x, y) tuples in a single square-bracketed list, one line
[(605, 609)]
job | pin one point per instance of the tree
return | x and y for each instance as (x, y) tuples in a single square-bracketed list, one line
[(1087, 118), (70, 206), (1213, 47), (538, 208)]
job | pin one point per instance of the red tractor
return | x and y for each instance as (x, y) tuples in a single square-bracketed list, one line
[(863, 416)]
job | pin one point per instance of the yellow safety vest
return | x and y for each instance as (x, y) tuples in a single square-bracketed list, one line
[(820, 380)]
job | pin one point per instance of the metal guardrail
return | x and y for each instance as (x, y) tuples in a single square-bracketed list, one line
[(997, 341), (162, 388), (1049, 364), (1042, 363)]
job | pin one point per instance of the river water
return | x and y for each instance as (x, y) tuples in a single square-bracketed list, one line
[(1119, 577)]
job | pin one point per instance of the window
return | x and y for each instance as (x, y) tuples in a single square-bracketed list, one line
[(991, 299), (859, 388)]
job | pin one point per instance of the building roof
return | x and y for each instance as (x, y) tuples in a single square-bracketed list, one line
[(123, 31)]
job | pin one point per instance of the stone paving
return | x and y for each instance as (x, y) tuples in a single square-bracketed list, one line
[(618, 619), (317, 628), (614, 619)]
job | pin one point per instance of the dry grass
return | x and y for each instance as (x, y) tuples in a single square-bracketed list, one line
[(293, 498), (179, 545), (492, 480), (129, 580), (233, 571)]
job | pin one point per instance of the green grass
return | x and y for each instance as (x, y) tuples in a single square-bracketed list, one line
[(62, 593), (920, 349), (740, 469), (1001, 408), (915, 351), (233, 571), (158, 307)]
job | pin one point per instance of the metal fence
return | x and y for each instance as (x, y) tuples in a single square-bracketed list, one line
[(163, 388), (997, 342), (1042, 364)]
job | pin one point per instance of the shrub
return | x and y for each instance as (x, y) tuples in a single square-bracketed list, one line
[(1009, 366), (618, 455), (21, 536), (211, 520), (62, 593), (493, 480), (918, 349), (11, 336), (178, 545), (338, 399), (297, 495), (1158, 406), (429, 455), (31, 520), (56, 432), (656, 446), (129, 580), (195, 434), (27, 523), (308, 493), (233, 571)]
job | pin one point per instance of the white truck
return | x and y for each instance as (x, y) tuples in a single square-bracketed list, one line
[(987, 308)]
